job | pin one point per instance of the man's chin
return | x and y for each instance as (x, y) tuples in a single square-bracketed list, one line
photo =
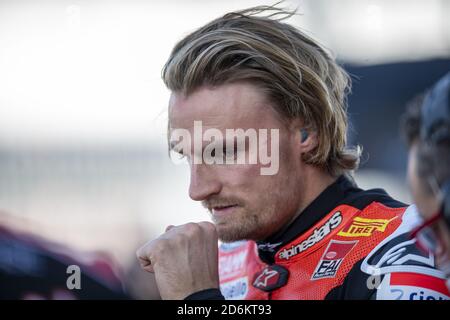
[(232, 233)]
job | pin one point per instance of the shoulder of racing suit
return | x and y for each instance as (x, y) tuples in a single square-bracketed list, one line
[(360, 249), (396, 269)]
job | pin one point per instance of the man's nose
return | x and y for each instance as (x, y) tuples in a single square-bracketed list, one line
[(203, 182)]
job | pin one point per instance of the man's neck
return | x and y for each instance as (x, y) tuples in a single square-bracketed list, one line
[(314, 181), (314, 184)]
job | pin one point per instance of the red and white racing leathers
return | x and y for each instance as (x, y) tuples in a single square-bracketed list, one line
[(347, 244)]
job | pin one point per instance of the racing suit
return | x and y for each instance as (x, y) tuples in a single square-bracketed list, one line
[(347, 244)]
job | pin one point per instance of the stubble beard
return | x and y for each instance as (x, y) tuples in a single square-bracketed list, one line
[(245, 225)]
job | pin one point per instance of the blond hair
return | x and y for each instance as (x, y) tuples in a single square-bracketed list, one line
[(297, 74)]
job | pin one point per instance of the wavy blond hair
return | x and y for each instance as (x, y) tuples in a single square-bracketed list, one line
[(299, 77)]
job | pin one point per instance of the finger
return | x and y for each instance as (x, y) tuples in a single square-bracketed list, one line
[(146, 265), (143, 259)]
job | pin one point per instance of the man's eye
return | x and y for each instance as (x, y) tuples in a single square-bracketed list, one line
[(213, 153)]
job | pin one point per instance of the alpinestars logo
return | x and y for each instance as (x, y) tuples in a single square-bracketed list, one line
[(271, 277), (269, 247), (315, 237)]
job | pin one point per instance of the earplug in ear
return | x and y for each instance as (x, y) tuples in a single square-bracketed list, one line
[(304, 135)]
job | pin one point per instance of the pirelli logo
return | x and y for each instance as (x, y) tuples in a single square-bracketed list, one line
[(362, 227)]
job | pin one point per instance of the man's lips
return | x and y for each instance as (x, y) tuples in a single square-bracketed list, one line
[(222, 210)]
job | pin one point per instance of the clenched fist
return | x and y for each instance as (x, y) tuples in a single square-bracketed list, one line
[(184, 259)]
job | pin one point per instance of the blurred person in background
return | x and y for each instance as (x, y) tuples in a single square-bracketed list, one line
[(426, 126), (305, 232), (33, 268)]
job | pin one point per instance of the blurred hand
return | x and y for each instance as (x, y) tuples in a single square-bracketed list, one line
[(184, 259)]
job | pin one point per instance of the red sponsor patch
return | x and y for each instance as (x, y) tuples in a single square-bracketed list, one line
[(332, 259)]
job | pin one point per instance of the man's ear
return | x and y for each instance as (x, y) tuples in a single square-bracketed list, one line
[(303, 135), (308, 140)]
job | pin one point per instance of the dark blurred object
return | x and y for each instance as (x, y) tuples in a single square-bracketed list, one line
[(141, 285), (435, 132), (436, 112), (378, 97), (411, 119), (33, 268)]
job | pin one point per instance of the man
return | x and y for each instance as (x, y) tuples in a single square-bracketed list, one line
[(426, 126), (300, 229)]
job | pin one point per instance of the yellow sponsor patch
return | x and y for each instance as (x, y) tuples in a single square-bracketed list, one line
[(362, 227)]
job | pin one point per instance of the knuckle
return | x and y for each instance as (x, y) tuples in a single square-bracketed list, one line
[(181, 238), (191, 229), (160, 246), (208, 227), (143, 250)]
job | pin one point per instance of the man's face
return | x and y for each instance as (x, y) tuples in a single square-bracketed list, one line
[(429, 204), (244, 204)]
